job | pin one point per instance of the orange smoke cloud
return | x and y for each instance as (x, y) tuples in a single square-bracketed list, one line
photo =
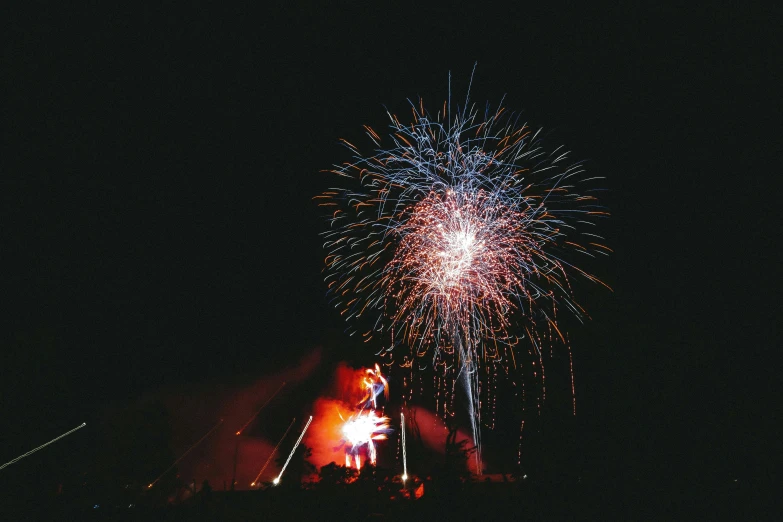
[(347, 384), (213, 460), (327, 442), (325, 437), (433, 432)]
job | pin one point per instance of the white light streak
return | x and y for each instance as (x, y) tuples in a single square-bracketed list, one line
[(42, 446), (404, 454), (273, 453), (277, 480)]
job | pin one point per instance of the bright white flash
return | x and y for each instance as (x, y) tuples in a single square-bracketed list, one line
[(361, 429), (458, 251)]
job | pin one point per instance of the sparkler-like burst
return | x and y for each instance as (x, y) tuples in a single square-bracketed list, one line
[(460, 229), (464, 258), (361, 430)]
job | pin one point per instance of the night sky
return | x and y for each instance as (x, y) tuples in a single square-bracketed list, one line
[(158, 229)]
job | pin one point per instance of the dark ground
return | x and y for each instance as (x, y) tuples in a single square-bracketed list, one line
[(620, 500)]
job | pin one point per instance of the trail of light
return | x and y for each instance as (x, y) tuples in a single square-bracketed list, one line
[(571, 368), (259, 409), (277, 480), (404, 455), (207, 434), (273, 453), (42, 446)]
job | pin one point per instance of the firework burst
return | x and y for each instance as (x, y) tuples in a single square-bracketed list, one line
[(361, 430), (457, 240)]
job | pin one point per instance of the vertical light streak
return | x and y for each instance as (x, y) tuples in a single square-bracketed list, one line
[(571, 368), (519, 453), (207, 434), (277, 479), (273, 452), (404, 454), (42, 446)]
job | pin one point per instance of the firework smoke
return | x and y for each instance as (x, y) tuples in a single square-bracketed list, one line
[(346, 429)]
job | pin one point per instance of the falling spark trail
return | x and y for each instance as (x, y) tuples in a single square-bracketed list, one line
[(273, 452), (42, 446), (277, 480), (259, 409), (404, 455), (216, 426)]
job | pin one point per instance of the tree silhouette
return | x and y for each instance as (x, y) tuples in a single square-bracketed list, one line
[(333, 475)]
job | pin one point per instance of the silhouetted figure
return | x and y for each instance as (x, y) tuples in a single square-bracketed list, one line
[(205, 497)]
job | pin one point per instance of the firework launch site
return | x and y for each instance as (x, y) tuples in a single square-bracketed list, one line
[(317, 467), (372, 498)]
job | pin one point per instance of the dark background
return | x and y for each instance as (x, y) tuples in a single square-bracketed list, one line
[(158, 230)]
